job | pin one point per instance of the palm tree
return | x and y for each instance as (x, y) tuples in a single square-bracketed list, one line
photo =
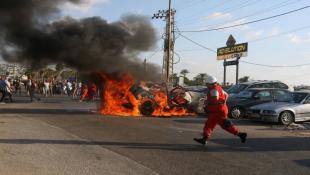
[(184, 72)]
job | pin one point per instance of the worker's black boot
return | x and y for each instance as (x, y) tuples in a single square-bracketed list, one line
[(202, 140), (243, 136)]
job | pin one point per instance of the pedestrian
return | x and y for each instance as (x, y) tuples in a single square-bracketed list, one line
[(51, 88), (28, 84), (17, 85), (46, 87), (92, 91), (217, 113), (5, 89), (32, 90), (84, 92), (69, 88)]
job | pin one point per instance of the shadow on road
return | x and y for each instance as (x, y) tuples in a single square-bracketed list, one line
[(304, 162), (225, 145), (44, 111), (238, 122)]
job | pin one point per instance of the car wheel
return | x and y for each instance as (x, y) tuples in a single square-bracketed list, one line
[(286, 118), (237, 112)]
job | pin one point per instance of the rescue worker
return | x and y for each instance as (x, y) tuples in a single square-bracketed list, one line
[(92, 91), (217, 113), (84, 92)]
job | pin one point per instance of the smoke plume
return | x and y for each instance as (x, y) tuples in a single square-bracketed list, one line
[(88, 44)]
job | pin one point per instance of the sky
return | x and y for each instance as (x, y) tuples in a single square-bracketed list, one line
[(271, 42)]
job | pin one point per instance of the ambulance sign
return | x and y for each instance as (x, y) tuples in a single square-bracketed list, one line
[(238, 50)]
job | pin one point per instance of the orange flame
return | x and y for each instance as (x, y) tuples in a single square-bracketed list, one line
[(119, 100)]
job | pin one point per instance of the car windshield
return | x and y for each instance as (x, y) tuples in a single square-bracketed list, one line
[(283, 96), (236, 88), (245, 94), (298, 97)]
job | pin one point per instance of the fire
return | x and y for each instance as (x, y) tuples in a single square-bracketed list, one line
[(124, 97)]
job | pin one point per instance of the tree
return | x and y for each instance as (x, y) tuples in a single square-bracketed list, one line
[(49, 73), (184, 72), (68, 74), (244, 79), (59, 67), (200, 79)]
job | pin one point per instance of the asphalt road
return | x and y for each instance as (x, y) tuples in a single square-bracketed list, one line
[(61, 136)]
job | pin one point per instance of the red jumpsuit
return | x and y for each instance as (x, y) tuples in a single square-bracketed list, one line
[(84, 92), (92, 90), (218, 112)]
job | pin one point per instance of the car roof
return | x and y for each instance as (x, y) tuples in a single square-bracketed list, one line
[(260, 81), (260, 89), (302, 91)]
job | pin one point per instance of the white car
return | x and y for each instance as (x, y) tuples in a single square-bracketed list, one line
[(295, 108)]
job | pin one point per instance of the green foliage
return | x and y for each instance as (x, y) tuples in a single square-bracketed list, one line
[(59, 67), (198, 80), (244, 79), (184, 72), (67, 74)]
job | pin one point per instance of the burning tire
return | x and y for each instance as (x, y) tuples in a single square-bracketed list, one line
[(147, 108)]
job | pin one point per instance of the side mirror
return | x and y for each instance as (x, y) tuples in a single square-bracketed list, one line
[(256, 97)]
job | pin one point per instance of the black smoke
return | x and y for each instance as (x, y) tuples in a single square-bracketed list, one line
[(88, 44)]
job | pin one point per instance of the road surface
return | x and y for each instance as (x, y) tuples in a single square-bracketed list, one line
[(61, 136)]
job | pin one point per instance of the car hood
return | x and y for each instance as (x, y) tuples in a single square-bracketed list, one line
[(275, 105)]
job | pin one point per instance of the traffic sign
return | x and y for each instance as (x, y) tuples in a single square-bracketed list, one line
[(230, 41), (235, 51), (230, 63)]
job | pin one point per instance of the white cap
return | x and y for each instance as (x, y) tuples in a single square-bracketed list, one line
[(211, 80)]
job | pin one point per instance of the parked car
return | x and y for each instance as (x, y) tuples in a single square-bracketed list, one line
[(238, 104), (235, 89), (198, 94), (294, 108)]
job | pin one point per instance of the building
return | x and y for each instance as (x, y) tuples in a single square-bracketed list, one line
[(13, 70)]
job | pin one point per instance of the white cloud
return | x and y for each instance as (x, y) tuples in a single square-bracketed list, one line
[(253, 35), (136, 11), (274, 31), (218, 15), (297, 39), (85, 6), (235, 23)]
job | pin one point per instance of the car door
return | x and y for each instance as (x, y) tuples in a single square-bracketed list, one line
[(260, 97), (281, 95), (303, 110)]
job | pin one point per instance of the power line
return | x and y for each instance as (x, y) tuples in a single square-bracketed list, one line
[(262, 38), (250, 22), (204, 10), (197, 43), (229, 10), (191, 4), (154, 53), (279, 34), (256, 64), (262, 11), (276, 66)]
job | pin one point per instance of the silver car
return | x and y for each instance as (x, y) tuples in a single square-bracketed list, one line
[(289, 109)]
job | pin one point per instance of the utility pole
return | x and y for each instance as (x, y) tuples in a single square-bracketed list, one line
[(144, 66), (168, 60)]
